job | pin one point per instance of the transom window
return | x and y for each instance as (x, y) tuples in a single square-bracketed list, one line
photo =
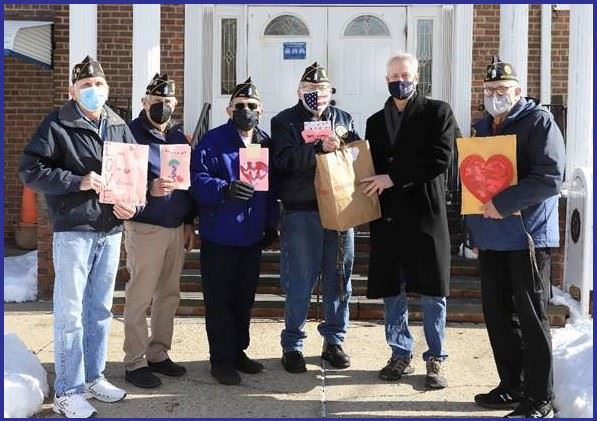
[(286, 25), (367, 26)]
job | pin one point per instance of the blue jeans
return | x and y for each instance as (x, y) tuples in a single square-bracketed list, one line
[(398, 335), (307, 249), (85, 264)]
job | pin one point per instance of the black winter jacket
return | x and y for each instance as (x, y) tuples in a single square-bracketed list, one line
[(64, 149)]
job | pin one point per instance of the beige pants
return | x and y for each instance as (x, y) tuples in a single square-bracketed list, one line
[(155, 257)]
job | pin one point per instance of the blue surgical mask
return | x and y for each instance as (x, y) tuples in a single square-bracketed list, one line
[(93, 98), (401, 89), (497, 105)]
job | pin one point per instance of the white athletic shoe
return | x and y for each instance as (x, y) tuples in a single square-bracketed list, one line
[(102, 390), (73, 406)]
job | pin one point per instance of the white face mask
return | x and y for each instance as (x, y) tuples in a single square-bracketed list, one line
[(93, 98), (497, 105)]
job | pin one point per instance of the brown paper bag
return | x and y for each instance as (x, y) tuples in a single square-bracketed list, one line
[(342, 204)]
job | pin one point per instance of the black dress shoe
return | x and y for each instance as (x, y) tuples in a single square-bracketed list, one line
[(246, 365), (168, 368), (142, 377), (225, 374), (335, 355), (530, 408), (498, 398), (294, 362)]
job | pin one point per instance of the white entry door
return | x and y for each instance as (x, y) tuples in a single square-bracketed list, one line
[(282, 42), (360, 41)]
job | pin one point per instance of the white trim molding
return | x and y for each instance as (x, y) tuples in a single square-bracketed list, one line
[(146, 50), (82, 40), (462, 67), (514, 39), (546, 53), (193, 66)]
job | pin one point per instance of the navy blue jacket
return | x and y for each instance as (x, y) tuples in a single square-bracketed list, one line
[(65, 148), (214, 164), (168, 211), (541, 161)]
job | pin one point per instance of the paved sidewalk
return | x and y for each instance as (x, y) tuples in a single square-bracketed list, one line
[(355, 392)]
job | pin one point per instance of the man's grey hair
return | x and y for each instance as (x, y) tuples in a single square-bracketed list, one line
[(302, 84), (400, 57)]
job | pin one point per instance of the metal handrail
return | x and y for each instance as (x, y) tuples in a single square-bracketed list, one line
[(202, 125)]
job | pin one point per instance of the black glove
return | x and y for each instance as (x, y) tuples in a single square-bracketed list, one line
[(239, 190), (270, 237)]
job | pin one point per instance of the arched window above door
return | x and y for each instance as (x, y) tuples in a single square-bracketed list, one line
[(286, 25), (367, 26)]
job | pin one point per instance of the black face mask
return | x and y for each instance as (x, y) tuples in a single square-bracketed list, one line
[(245, 119), (401, 89), (160, 112)]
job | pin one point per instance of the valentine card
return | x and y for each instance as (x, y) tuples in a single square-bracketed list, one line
[(175, 162), (314, 130), (487, 165), (254, 166), (124, 173)]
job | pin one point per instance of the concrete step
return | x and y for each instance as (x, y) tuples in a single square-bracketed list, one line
[(466, 310)]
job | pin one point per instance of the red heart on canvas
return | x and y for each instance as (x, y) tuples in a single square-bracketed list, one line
[(484, 179)]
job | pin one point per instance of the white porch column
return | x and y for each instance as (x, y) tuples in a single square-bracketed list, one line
[(82, 39), (514, 38), (546, 53), (146, 49), (462, 66), (579, 132), (193, 68)]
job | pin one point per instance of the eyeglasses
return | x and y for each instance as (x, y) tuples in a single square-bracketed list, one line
[(251, 106), (500, 90), (320, 88)]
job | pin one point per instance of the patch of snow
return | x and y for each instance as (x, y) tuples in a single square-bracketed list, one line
[(20, 278), (25, 380)]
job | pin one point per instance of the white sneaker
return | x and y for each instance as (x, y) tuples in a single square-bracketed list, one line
[(102, 390), (73, 406)]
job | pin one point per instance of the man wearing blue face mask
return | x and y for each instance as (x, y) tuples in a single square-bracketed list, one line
[(63, 161), (411, 141), (514, 236)]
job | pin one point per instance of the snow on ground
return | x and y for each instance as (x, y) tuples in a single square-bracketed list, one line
[(20, 278), (573, 362), (25, 380)]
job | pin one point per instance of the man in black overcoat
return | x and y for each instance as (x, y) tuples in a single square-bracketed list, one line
[(411, 140)]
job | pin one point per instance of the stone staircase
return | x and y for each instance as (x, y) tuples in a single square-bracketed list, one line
[(464, 303)]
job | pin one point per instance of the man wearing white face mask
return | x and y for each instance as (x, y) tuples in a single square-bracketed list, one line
[(514, 237), (63, 160)]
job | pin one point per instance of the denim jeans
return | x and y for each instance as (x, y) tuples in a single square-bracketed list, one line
[(85, 264), (307, 249), (398, 335)]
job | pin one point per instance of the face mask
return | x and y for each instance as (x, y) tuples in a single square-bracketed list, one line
[(245, 119), (310, 100), (497, 105), (160, 112), (92, 98), (401, 89)]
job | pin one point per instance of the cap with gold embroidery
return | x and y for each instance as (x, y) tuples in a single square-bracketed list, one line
[(315, 74), (89, 67), (161, 86), (245, 90), (499, 70)]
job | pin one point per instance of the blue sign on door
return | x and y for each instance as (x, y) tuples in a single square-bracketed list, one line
[(295, 50)]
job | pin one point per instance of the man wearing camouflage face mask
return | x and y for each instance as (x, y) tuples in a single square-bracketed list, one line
[(155, 242)]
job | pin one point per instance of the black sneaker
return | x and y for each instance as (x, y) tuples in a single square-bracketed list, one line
[(225, 374), (335, 355), (294, 362), (498, 398), (530, 408), (396, 368), (168, 368), (246, 365), (434, 378), (142, 377)]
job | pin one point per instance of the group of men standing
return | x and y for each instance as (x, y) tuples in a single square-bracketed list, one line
[(411, 140)]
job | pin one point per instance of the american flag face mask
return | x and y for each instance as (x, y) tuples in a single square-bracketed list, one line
[(315, 101)]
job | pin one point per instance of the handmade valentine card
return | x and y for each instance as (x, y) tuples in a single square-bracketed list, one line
[(124, 173), (254, 166), (314, 130), (175, 162), (487, 165)]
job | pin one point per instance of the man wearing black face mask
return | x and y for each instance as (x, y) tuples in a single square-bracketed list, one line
[(411, 143), (235, 223), (155, 242)]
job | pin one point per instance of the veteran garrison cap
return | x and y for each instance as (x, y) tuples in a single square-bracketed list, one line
[(161, 85), (315, 74), (498, 70), (245, 90), (89, 67)]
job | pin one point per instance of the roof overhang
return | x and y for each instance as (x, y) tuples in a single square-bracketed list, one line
[(28, 40)]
